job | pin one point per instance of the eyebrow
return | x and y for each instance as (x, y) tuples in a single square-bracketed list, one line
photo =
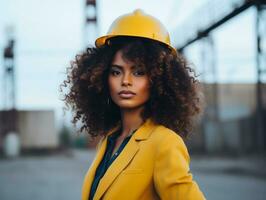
[(121, 67)]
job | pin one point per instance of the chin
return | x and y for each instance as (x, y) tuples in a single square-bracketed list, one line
[(129, 105)]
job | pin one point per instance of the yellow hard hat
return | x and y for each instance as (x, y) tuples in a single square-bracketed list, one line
[(137, 24)]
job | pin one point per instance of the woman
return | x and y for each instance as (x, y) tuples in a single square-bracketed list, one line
[(137, 93)]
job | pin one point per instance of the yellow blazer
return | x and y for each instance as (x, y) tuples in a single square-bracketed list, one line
[(153, 165)]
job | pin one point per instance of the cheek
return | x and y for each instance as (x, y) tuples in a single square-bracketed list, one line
[(145, 88)]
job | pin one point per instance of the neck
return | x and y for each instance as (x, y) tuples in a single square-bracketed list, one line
[(131, 120)]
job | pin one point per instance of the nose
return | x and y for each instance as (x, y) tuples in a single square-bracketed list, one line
[(127, 80)]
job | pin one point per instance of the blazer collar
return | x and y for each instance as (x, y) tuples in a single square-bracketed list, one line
[(143, 131), (128, 153)]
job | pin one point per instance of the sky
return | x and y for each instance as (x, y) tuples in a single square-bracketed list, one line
[(50, 33)]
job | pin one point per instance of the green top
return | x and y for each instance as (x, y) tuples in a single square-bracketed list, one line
[(108, 159)]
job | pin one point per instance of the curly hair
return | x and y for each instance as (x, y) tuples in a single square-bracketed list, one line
[(174, 97)]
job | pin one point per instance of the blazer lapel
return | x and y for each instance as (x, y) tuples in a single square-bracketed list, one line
[(124, 158), (116, 168), (92, 170)]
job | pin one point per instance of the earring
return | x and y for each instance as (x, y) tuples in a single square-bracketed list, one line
[(108, 101)]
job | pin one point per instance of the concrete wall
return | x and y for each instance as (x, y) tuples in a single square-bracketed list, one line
[(234, 131), (37, 129)]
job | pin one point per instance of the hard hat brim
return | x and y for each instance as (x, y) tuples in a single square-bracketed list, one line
[(101, 41)]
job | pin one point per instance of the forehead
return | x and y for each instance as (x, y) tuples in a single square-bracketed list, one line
[(120, 61)]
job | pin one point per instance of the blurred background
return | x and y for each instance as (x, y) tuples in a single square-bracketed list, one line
[(41, 154)]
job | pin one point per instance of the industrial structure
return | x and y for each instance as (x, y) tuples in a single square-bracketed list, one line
[(199, 27), (33, 129), (91, 26), (8, 116)]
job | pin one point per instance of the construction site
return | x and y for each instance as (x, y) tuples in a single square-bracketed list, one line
[(43, 157)]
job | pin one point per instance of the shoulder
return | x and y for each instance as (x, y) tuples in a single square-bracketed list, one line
[(164, 134), (168, 140)]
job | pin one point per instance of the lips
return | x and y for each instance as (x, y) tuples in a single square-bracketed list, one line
[(126, 94)]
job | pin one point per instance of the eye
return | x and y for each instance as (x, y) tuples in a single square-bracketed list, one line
[(139, 73), (114, 72)]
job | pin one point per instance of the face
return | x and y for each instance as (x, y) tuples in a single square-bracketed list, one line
[(128, 85)]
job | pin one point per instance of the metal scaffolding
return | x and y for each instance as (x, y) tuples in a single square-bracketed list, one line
[(91, 28), (8, 116), (212, 15)]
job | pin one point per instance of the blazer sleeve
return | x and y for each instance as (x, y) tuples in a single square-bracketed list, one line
[(172, 178)]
